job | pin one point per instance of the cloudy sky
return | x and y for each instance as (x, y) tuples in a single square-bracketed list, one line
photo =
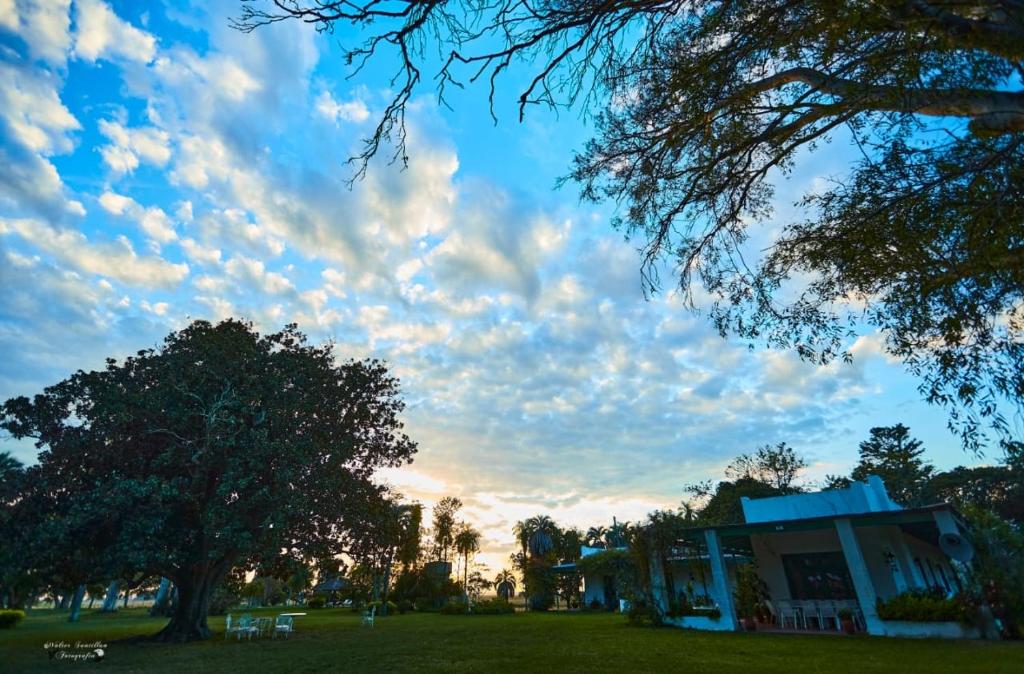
[(158, 166)]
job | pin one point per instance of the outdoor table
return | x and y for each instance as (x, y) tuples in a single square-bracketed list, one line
[(292, 614)]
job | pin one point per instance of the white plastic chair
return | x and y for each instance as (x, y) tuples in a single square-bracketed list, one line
[(285, 625), (368, 616), (790, 611), (827, 610), (246, 627), (229, 629)]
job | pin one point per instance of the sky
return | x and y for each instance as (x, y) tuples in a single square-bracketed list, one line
[(157, 166)]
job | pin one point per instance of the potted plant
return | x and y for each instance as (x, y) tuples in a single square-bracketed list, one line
[(846, 621), (751, 593)]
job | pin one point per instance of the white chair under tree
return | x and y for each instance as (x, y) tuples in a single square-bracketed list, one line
[(285, 625), (368, 616)]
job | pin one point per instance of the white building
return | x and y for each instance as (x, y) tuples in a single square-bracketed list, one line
[(823, 550), (817, 553)]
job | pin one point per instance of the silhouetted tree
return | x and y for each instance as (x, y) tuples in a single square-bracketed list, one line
[(220, 448), (891, 454), (444, 526), (776, 466)]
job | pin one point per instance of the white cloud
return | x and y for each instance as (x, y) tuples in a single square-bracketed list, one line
[(254, 273), (184, 211), (129, 146), (199, 253), (116, 204), (9, 15), (35, 124), (43, 24), (33, 111), (102, 34), (152, 221), (349, 111), (116, 259)]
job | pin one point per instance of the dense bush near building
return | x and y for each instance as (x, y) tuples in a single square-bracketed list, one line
[(316, 602), (923, 606), (10, 617)]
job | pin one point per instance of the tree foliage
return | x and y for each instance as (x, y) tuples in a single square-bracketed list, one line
[(893, 455), (776, 466), (701, 105), (221, 448), (444, 526)]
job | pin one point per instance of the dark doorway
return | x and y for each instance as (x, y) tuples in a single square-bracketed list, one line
[(818, 575)]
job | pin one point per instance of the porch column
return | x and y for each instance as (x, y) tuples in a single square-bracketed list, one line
[(862, 584), (659, 588), (946, 523), (720, 580)]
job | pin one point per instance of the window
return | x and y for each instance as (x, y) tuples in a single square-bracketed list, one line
[(818, 575)]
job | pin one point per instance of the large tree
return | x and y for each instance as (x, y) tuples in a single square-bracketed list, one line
[(702, 105), (444, 526), (221, 448), (387, 536), (896, 457)]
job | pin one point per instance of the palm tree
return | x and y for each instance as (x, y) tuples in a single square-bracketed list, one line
[(466, 541), (595, 537), (616, 535), (505, 584)]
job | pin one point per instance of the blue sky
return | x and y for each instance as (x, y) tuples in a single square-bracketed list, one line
[(158, 166)]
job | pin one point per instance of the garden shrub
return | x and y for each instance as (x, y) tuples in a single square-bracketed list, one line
[(10, 617), (641, 614), (923, 606), (493, 607), (316, 602), (404, 606), (485, 607), (596, 605), (426, 605)]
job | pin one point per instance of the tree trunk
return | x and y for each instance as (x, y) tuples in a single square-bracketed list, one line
[(92, 600), (160, 603), (387, 583), (76, 603), (110, 601), (188, 622), (64, 600), (127, 596)]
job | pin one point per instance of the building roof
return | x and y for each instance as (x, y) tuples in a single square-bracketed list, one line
[(868, 496), (902, 516), (331, 585)]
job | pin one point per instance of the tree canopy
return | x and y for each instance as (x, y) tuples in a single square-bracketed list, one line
[(222, 448), (701, 106), (896, 457)]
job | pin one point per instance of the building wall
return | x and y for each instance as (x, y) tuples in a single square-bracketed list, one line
[(593, 588)]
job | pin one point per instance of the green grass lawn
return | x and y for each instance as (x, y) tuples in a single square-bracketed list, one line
[(333, 640)]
